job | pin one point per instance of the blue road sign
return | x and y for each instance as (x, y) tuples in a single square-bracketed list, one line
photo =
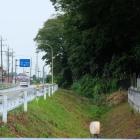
[(24, 63)]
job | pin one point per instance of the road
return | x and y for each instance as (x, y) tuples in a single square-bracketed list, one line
[(17, 88)]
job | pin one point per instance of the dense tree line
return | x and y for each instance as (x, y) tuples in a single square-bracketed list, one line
[(99, 38)]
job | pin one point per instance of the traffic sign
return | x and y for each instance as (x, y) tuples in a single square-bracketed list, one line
[(24, 63)]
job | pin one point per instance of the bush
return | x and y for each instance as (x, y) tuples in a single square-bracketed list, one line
[(49, 79), (94, 88), (97, 112), (84, 86)]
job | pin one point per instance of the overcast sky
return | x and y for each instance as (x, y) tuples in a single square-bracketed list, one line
[(20, 21)]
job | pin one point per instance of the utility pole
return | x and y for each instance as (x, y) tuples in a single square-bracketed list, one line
[(8, 62), (43, 73), (15, 69), (8, 53), (38, 73), (12, 64), (30, 70), (1, 60), (1, 63), (36, 67)]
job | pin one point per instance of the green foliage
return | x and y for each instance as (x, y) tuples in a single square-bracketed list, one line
[(38, 81), (104, 35), (34, 77), (84, 86), (101, 41), (33, 82), (97, 112), (52, 35), (94, 88), (49, 78)]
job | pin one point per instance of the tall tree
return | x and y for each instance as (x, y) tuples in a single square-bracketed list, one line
[(52, 34), (101, 34)]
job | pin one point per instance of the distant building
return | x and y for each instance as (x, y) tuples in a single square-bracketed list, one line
[(6, 79)]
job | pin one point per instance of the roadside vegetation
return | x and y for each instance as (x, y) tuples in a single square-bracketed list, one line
[(68, 115), (6, 86), (96, 38), (94, 49), (63, 115)]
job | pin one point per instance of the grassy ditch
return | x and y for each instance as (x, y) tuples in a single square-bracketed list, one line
[(62, 115), (121, 122), (66, 115)]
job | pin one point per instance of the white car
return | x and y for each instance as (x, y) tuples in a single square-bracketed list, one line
[(24, 83)]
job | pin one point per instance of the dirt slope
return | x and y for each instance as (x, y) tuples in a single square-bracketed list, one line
[(121, 121)]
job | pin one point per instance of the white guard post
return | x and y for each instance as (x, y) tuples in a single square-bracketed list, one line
[(49, 91), (25, 101), (37, 91), (95, 129), (4, 119), (52, 90), (44, 93)]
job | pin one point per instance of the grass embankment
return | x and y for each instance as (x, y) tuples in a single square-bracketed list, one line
[(65, 115), (121, 122), (62, 115)]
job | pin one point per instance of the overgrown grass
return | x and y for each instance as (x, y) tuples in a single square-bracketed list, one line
[(63, 115)]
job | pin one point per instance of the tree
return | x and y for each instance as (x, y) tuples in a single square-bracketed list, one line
[(34, 78), (99, 32), (52, 34)]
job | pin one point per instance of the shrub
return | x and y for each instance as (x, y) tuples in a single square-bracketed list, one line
[(94, 88)]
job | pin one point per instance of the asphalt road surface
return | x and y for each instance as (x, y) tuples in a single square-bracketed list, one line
[(17, 88)]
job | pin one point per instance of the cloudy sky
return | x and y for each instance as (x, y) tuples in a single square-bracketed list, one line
[(20, 21)]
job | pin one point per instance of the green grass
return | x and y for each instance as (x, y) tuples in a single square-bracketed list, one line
[(63, 115), (6, 87), (66, 115)]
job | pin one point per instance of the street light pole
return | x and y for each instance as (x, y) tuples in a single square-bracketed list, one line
[(52, 57), (43, 73)]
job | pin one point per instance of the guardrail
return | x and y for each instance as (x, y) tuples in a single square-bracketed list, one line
[(134, 98), (14, 99)]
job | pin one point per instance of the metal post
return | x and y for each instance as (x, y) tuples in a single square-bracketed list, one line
[(43, 73), (12, 65), (1, 63), (8, 63), (52, 64), (44, 93), (25, 101), (1, 59), (38, 73), (49, 91), (4, 119), (52, 89), (37, 91), (30, 71), (15, 69)]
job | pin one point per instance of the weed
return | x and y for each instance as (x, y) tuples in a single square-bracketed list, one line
[(138, 131)]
